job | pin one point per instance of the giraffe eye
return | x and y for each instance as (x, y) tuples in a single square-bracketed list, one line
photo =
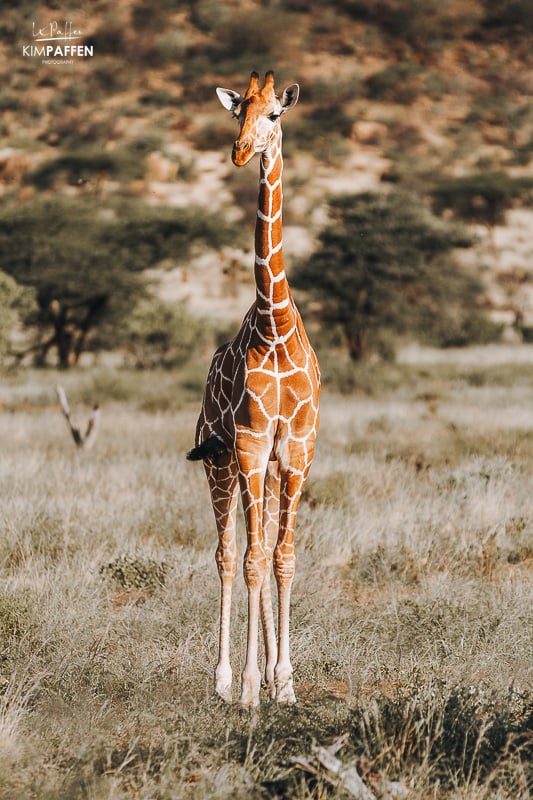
[(273, 117)]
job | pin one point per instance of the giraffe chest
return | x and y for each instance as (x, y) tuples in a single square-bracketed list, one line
[(269, 388), (277, 387)]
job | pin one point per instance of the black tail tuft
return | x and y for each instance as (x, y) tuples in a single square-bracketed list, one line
[(211, 448)]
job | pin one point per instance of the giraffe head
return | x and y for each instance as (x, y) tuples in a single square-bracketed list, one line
[(258, 113)]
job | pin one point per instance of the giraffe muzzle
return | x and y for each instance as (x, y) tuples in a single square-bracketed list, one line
[(242, 152)]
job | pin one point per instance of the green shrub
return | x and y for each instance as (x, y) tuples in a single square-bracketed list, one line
[(108, 79), (16, 303), (145, 14), (514, 14), (217, 135), (9, 101), (160, 334), (397, 83), (208, 15), (109, 38), (324, 130), (481, 197), (161, 98), (424, 25), (79, 167), (136, 571), (170, 48), (333, 88), (467, 328)]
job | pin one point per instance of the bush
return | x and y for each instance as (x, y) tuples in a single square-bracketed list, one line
[(16, 303), (481, 197), (324, 130), (80, 167), (136, 571), (424, 26), (397, 83), (109, 39), (217, 135), (170, 48), (472, 327), (514, 14), (161, 334)]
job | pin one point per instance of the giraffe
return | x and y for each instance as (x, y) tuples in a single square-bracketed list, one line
[(259, 417)]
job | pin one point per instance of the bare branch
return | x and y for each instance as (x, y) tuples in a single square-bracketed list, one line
[(87, 440), (348, 776), (324, 763)]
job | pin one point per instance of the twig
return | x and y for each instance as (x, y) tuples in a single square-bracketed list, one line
[(347, 774), (336, 772)]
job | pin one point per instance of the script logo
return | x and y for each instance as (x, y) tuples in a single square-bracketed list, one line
[(57, 43), (56, 32)]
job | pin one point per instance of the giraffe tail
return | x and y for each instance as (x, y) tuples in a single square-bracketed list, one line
[(210, 448)]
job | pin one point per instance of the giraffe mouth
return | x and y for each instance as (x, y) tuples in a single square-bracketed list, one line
[(242, 153), (240, 159)]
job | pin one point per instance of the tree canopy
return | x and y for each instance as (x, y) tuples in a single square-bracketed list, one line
[(482, 197), (85, 262), (384, 262)]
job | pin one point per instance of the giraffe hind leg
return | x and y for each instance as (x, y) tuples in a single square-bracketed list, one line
[(223, 484), (284, 567)]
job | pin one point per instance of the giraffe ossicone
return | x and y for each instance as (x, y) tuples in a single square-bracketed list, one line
[(259, 417)]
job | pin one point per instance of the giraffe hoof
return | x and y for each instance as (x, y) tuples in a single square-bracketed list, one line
[(285, 692), (224, 692), (223, 680), (286, 696), (250, 691), (270, 683)]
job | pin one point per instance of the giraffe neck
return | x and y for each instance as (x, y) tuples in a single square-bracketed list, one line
[(273, 299)]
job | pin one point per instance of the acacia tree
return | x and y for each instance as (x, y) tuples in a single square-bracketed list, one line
[(86, 263), (385, 262)]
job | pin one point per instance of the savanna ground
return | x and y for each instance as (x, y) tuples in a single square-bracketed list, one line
[(412, 604)]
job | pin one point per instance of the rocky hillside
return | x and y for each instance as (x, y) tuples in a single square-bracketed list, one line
[(391, 92)]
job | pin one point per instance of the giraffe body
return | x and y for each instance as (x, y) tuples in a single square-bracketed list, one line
[(257, 427)]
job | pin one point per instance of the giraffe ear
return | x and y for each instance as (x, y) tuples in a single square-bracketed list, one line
[(289, 98), (229, 99)]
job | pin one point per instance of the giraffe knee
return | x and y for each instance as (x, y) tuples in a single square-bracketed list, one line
[(284, 565), (226, 563), (255, 569)]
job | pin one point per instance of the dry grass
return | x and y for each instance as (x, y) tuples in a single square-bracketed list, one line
[(411, 613)]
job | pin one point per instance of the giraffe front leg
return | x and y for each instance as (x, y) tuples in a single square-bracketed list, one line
[(284, 569), (269, 631), (270, 535), (252, 479), (251, 676), (223, 483)]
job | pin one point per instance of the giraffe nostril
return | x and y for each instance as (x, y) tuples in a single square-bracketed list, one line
[(242, 145)]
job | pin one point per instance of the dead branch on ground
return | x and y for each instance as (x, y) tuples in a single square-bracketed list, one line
[(324, 763)]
